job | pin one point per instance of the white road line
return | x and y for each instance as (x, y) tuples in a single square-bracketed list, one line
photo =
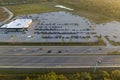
[(59, 67)]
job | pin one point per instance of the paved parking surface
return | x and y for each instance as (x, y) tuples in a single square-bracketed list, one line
[(111, 29), (54, 27), (63, 27)]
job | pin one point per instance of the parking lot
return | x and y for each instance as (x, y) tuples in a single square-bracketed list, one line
[(62, 27), (111, 29), (54, 27)]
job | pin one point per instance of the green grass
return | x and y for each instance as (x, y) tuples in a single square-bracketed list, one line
[(33, 8), (97, 10), (114, 53), (49, 7)]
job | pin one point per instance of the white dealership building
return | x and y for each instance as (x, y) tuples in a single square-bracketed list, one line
[(17, 25)]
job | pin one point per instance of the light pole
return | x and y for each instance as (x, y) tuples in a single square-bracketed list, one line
[(96, 64)]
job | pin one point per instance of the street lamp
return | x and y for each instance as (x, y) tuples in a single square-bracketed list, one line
[(96, 64)]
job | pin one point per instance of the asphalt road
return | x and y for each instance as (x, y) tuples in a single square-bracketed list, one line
[(58, 61), (45, 50), (29, 56)]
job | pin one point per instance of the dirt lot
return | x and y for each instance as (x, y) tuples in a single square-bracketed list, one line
[(3, 15)]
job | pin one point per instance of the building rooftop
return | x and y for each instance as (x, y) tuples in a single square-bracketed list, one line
[(18, 23)]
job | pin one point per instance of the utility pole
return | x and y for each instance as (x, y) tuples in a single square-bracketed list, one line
[(96, 64), (98, 61)]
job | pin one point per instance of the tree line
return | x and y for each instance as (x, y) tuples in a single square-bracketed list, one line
[(100, 75)]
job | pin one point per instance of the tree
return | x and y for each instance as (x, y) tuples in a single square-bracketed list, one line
[(61, 77), (1, 1), (100, 39), (102, 75), (115, 75), (86, 76), (27, 78), (51, 76), (75, 76)]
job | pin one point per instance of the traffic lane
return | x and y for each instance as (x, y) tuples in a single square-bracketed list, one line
[(110, 60), (55, 50), (47, 60), (59, 60)]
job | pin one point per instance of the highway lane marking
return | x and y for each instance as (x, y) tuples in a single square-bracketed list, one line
[(58, 67), (51, 56), (52, 46)]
